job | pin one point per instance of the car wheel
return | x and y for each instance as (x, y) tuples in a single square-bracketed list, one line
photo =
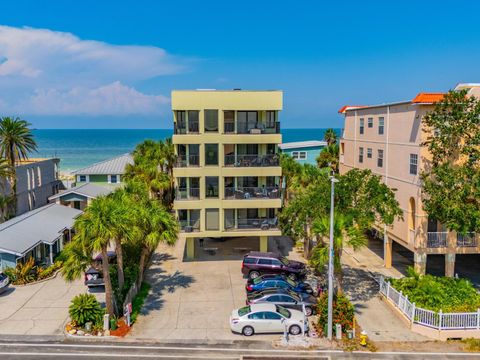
[(308, 311), (253, 274), (292, 276), (248, 331), (294, 330)]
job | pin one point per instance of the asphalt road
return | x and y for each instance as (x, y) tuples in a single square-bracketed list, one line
[(136, 351)]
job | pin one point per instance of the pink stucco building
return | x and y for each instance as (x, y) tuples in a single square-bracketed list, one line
[(386, 139)]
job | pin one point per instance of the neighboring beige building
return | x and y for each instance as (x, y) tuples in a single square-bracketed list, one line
[(386, 139), (228, 171)]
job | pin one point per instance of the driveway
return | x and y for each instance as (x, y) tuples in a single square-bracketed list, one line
[(191, 300)]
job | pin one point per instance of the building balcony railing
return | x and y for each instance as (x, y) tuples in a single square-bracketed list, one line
[(466, 240), (186, 161), (254, 193), (189, 225), (192, 128), (251, 224), (187, 194), (437, 239), (252, 160), (254, 129)]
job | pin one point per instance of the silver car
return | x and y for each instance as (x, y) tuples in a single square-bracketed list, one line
[(267, 318)]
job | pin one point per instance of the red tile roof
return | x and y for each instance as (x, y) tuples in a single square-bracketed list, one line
[(349, 107), (428, 98)]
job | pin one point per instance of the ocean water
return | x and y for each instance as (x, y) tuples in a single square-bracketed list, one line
[(79, 148)]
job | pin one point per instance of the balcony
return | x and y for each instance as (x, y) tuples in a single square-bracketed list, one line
[(187, 161), (252, 160), (251, 224), (253, 193), (467, 240), (192, 128), (187, 194), (437, 239), (189, 225)]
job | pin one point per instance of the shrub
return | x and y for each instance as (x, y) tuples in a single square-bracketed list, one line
[(139, 300), (438, 293), (343, 312), (23, 273), (85, 308)]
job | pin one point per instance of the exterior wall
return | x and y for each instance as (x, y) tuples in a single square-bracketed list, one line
[(98, 179), (312, 154), (7, 260), (260, 101), (37, 180)]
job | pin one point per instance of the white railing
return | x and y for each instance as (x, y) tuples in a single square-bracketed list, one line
[(437, 239), (432, 319)]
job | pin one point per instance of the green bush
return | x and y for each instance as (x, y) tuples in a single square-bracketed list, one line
[(343, 312), (27, 272), (139, 300), (85, 308), (438, 293)]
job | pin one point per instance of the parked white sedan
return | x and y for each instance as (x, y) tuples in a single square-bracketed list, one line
[(267, 318)]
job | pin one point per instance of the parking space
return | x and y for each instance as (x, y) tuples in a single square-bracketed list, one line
[(193, 300)]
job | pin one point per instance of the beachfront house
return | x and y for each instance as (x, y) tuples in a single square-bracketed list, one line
[(108, 172), (304, 152), (79, 197), (40, 233)]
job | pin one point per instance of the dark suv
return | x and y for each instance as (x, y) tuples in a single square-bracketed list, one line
[(257, 263)]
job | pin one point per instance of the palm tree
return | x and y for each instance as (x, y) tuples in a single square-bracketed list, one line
[(345, 232), (329, 157), (290, 169), (16, 142), (5, 200), (95, 230), (330, 136), (168, 161)]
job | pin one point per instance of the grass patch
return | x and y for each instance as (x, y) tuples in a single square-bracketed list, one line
[(139, 300), (472, 344)]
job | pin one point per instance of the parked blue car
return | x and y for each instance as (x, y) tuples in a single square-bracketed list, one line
[(278, 281)]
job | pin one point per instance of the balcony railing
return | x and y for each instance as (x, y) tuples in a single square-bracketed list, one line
[(187, 194), (192, 129), (437, 239), (252, 160), (247, 224), (193, 160), (254, 193), (466, 240), (229, 128), (190, 225), (258, 128)]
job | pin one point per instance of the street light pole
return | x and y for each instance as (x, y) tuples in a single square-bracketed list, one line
[(330, 262)]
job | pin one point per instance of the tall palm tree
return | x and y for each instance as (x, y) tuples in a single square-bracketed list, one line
[(329, 157), (16, 142), (330, 136), (5, 174), (168, 161), (95, 230), (345, 232), (290, 169)]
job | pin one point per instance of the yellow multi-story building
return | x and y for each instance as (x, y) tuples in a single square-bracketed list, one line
[(228, 171)]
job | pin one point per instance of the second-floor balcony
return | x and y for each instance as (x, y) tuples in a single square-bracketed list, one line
[(467, 240), (252, 193), (252, 224), (186, 161), (192, 128), (254, 129), (252, 160), (187, 194), (439, 239), (189, 225)]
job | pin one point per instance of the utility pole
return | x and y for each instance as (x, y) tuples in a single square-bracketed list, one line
[(330, 262)]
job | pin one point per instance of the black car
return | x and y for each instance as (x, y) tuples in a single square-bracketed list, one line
[(4, 282), (256, 263), (94, 275), (285, 298)]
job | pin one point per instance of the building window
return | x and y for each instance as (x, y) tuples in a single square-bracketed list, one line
[(381, 124), (211, 120), (114, 179), (360, 155), (229, 122), (369, 153), (271, 119), (380, 158), (299, 155), (211, 219), (370, 122), (193, 121), (413, 164), (211, 154), (211, 186), (181, 123), (362, 126)]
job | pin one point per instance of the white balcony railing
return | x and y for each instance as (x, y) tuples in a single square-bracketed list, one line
[(437, 239), (466, 240)]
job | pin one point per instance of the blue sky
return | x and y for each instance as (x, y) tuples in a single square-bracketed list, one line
[(104, 64)]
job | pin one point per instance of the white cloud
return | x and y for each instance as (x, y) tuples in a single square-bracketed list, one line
[(49, 73)]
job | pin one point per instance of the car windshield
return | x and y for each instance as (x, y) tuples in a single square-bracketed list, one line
[(291, 282), (284, 312), (244, 310), (284, 261)]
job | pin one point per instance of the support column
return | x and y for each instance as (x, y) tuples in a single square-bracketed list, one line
[(190, 243), (420, 262), (387, 251), (450, 264), (51, 254), (263, 243)]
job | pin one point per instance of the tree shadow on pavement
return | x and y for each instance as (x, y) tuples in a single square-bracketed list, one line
[(360, 284)]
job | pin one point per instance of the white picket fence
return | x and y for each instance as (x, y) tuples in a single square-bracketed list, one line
[(432, 319)]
